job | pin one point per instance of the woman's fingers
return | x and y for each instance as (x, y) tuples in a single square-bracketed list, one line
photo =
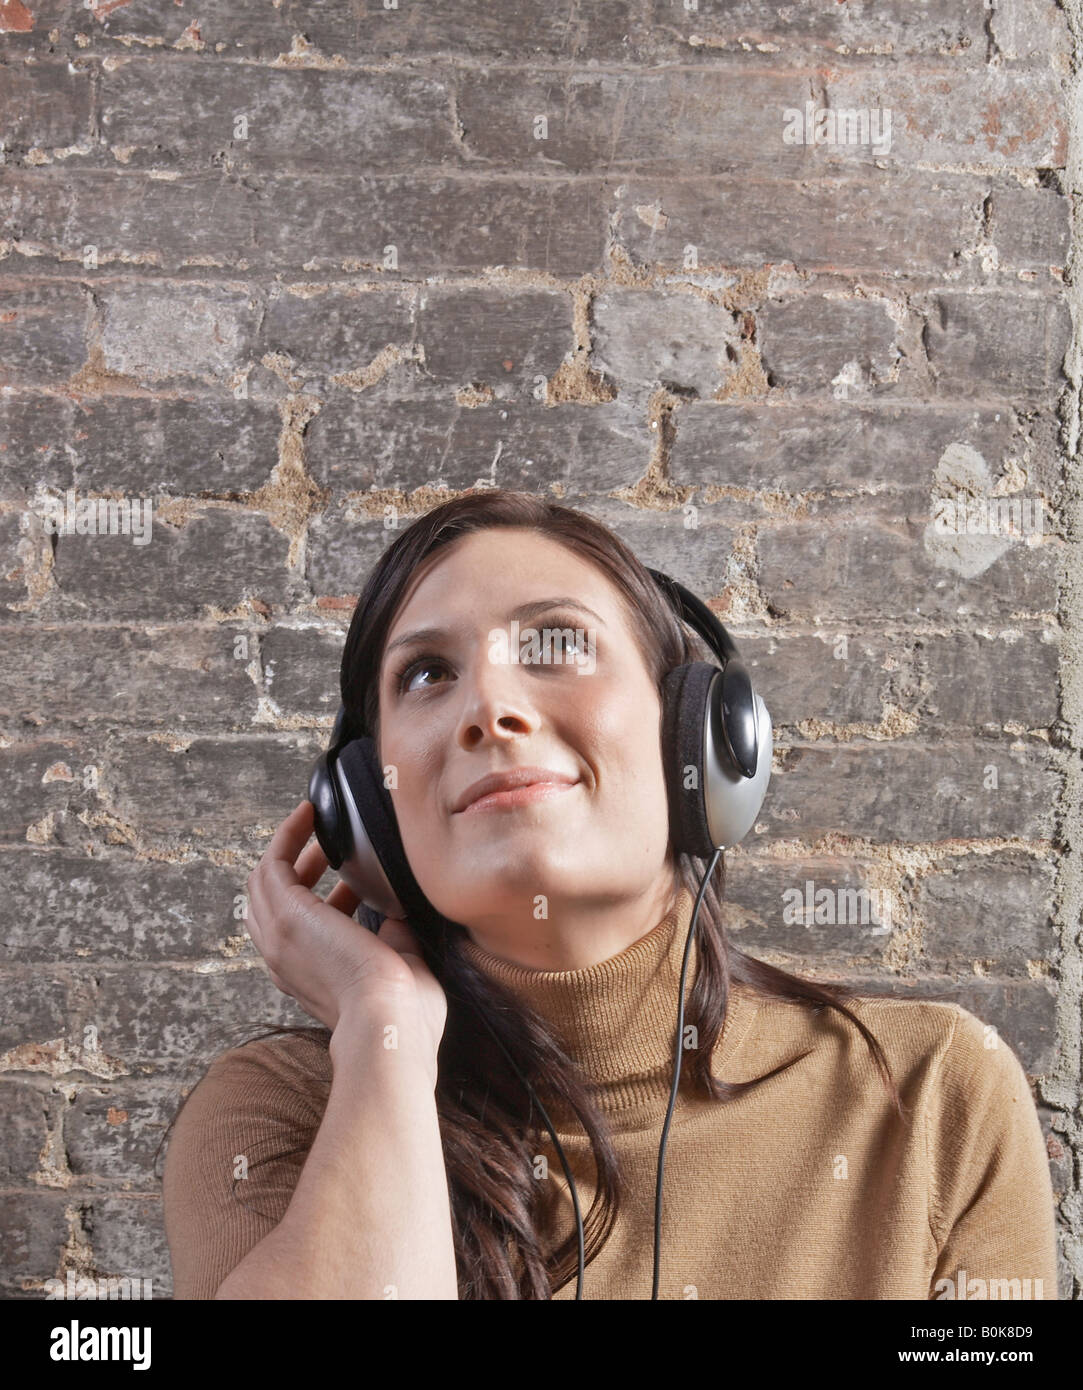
[(344, 898)]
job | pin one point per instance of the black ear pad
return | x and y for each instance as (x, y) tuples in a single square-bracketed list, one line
[(684, 709), (359, 766)]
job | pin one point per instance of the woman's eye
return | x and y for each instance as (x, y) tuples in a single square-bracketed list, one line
[(415, 670)]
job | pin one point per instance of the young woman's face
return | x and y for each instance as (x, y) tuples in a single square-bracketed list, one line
[(590, 715)]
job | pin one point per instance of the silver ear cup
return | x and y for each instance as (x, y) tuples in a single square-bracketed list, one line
[(732, 800), (362, 870)]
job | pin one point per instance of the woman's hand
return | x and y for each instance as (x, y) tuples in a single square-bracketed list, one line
[(315, 951)]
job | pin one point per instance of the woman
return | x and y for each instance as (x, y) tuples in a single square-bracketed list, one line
[(868, 1149)]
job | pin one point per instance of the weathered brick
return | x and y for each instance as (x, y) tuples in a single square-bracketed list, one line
[(989, 912), (248, 29), (216, 793), (24, 1123), (184, 116), (972, 679), (42, 332), (911, 792), (93, 219), (435, 223), (814, 343), (982, 345), (34, 1229), (34, 430), (176, 1014), (44, 782), (953, 28), (841, 222), (19, 555), (341, 551), (66, 907), (157, 333), (79, 675), (301, 669), (46, 105), (819, 676), (325, 333), (852, 567), (503, 340), (356, 444), (1030, 227), (647, 338), (798, 446), (33, 1013), (217, 558), (114, 1131), (733, 114), (760, 917), (195, 446), (127, 1236)]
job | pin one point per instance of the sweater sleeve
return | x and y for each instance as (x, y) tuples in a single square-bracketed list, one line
[(235, 1154), (992, 1210)]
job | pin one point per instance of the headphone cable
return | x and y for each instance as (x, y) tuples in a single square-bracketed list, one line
[(676, 1073), (669, 1112)]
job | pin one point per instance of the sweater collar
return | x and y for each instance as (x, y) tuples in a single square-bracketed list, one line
[(617, 1019)]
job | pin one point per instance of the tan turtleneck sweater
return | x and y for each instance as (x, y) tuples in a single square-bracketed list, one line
[(809, 1186)]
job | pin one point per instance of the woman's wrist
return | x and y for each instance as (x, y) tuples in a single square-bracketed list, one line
[(383, 1037)]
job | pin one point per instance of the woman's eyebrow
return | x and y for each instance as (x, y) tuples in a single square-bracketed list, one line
[(525, 610)]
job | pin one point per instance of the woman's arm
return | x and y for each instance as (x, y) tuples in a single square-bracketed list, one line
[(992, 1211), (370, 1217)]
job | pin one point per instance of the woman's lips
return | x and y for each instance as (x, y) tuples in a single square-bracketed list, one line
[(518, 796)]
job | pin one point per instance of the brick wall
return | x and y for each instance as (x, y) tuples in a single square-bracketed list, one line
[(290, 271)]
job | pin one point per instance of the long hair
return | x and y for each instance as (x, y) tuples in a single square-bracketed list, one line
[(489, 1128)]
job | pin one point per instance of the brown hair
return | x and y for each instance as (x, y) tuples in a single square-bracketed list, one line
[(489, 1127)]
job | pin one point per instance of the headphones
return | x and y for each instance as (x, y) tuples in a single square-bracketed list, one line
[(716, 753)]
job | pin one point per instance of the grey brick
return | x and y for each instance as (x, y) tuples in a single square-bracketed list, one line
[(844, 222), (42, 332), (127, 1236), (971, 679), (805, 344), (34, 433), (218, 557), (46, 105), (160, 333), (183, 116), (65, 907), (647, 338), (113, 1132), (33, 1229), (184, 674), (911, 792), (218, 793), (502, 340), (758, 911), (1011, 345), (178, 1016), (248, 29), (327, 333), (858, 566), (357, 444), (34, 1013), (24, 1117), (990, 912), (953, 28), (813, 445), (43, 778)]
